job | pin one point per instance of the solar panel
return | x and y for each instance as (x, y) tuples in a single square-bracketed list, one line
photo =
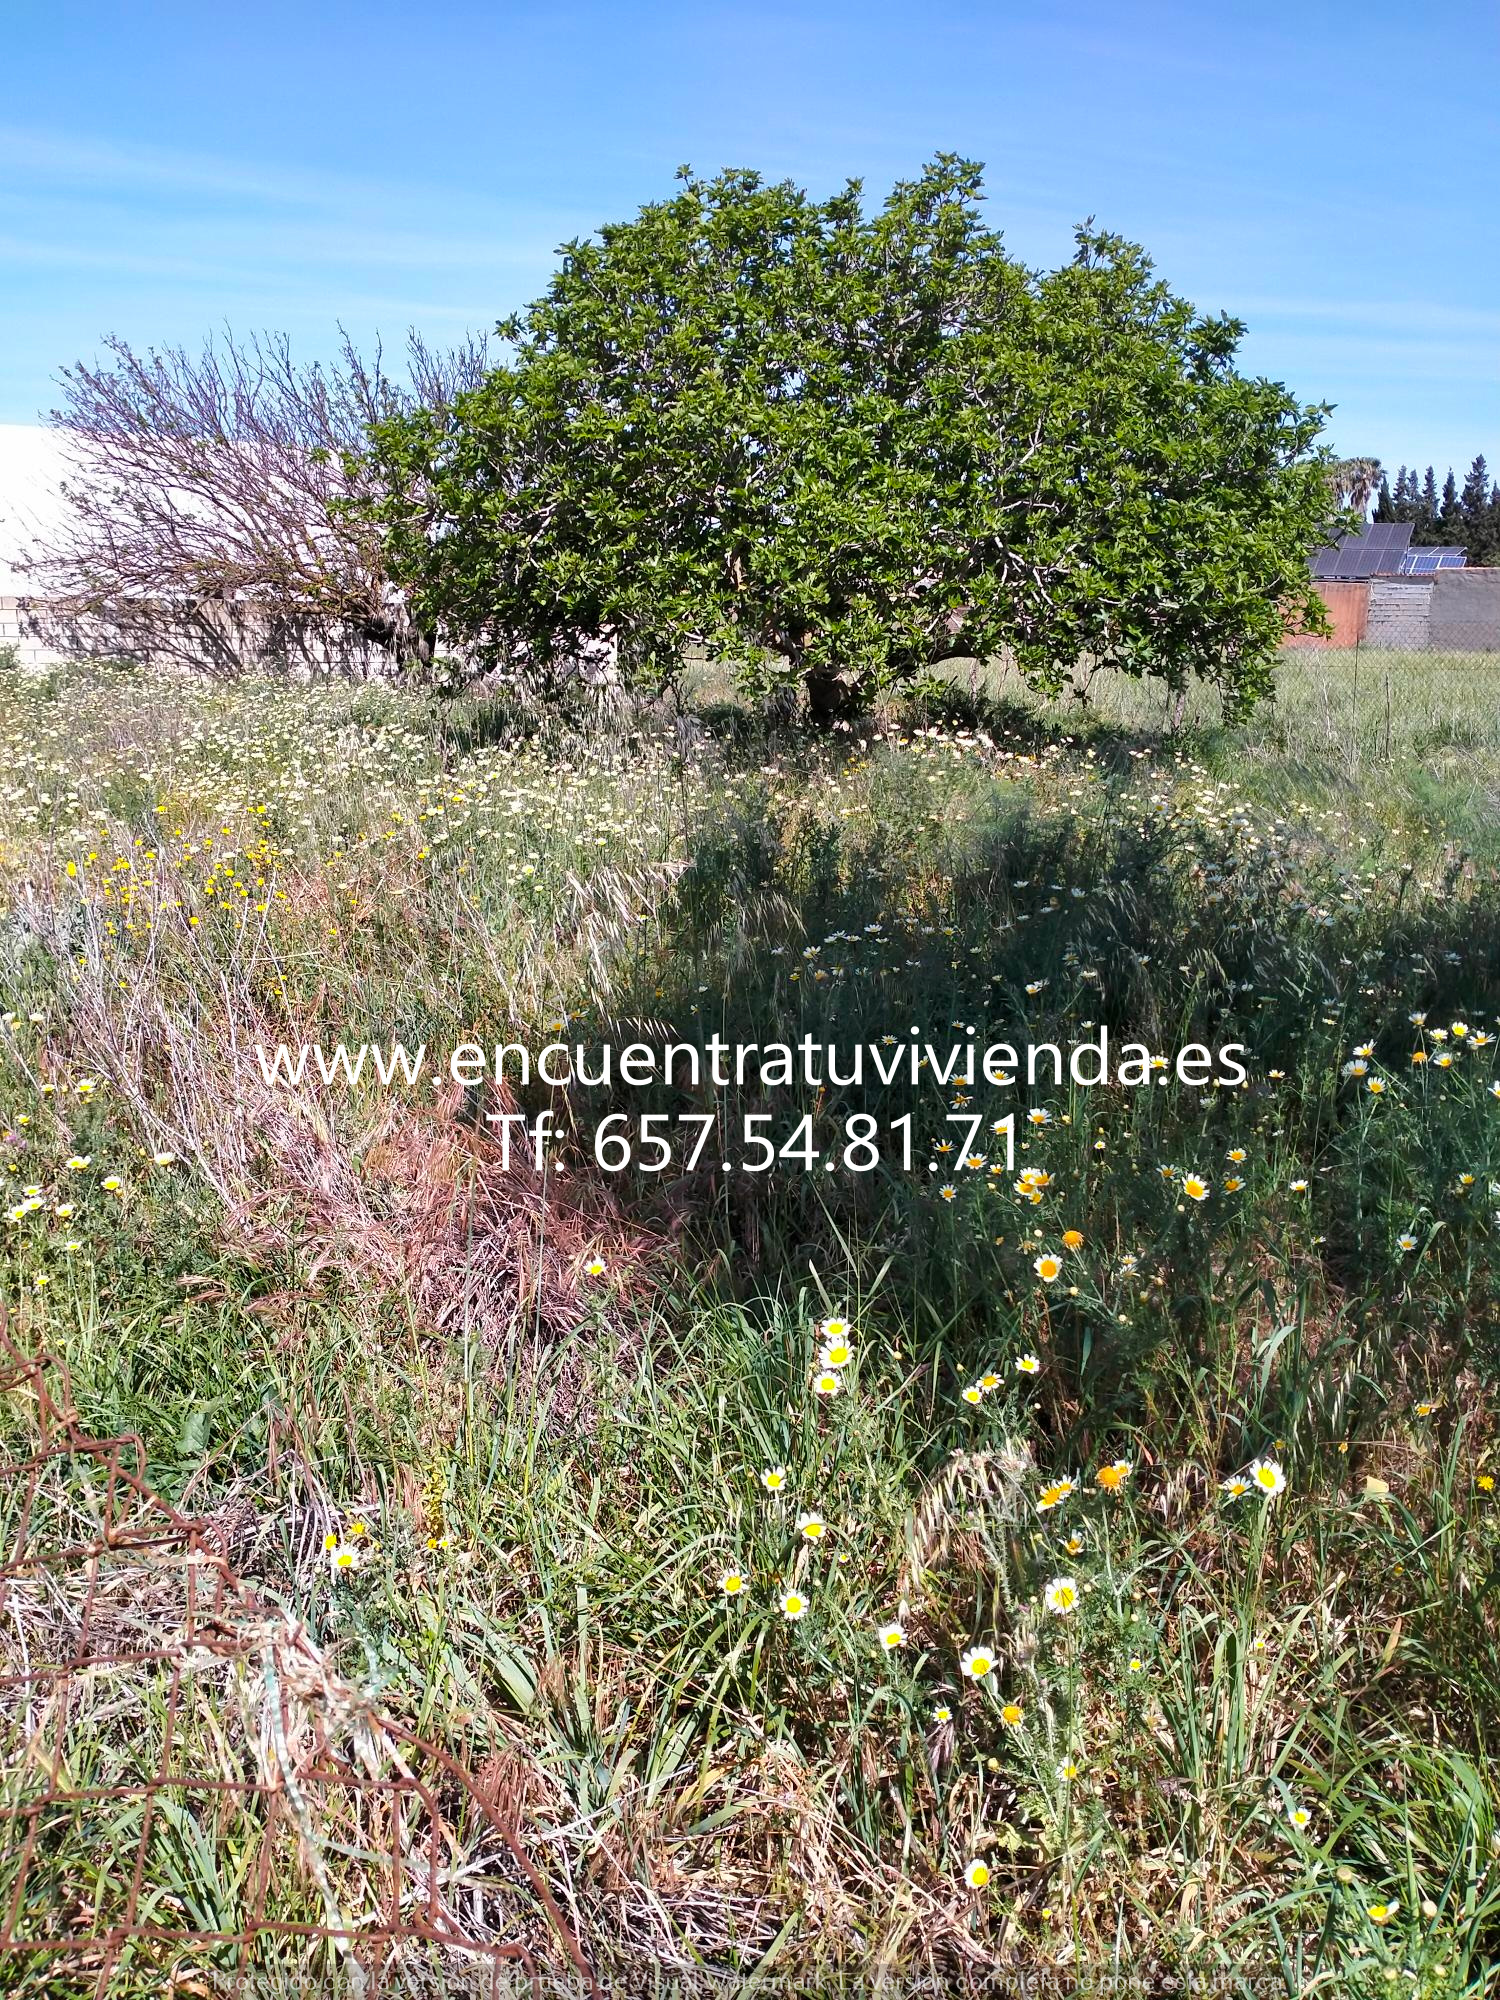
[(1388, 541), (1424, 561), (1379, 549)]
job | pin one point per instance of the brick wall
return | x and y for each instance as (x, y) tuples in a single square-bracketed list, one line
[(1465, 611), (1400, 613)]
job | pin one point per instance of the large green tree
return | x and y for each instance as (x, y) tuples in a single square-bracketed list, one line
[(836, 447)]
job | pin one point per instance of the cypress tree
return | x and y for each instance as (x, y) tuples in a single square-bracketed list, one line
[(1450, 520), (1490, 547), (1427, 510), (1474, 507), (1384, 506)]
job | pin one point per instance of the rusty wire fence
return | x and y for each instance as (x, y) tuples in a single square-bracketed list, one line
[(191, 1803)]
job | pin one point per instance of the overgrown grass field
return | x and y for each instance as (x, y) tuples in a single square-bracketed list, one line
[(1129, 1598)]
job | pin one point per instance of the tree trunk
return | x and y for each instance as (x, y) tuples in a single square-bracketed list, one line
[(828, 698)]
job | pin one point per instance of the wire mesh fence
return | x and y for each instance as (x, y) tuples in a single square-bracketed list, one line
[(1350, 706), (191, 1802), (1382, 704)]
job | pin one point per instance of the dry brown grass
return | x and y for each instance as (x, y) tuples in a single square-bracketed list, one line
[(193, 1785)]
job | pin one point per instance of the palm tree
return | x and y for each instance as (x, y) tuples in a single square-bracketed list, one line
[(1356, 481)]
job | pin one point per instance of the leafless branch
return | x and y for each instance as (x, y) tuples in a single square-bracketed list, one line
[(209, 516)]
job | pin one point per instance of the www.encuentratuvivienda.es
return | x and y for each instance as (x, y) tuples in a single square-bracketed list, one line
[(652, 1140)]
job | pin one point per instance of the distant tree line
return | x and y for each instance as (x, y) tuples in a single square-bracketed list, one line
[(1464, 517)]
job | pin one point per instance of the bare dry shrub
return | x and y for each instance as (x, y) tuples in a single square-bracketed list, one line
[(420, 1205), (210, 517), (387, 1200)]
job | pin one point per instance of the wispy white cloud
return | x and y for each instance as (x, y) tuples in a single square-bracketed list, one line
[(178, 251), (66, 169), (163, 244), (59, 160), (64, 159)]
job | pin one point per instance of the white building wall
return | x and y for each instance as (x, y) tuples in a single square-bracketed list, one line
[(32, 470)]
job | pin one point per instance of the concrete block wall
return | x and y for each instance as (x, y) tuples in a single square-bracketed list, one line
[(1465, 611), (15, 631), (1453, 611), (258, 648), (1400, 613), (1449, 611)]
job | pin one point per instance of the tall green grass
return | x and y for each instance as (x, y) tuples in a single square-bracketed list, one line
[(1277, 1715)]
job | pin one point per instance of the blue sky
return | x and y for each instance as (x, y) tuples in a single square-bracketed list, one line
[(1328, 172)]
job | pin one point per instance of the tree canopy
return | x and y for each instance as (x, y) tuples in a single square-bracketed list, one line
[(836, 446)]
